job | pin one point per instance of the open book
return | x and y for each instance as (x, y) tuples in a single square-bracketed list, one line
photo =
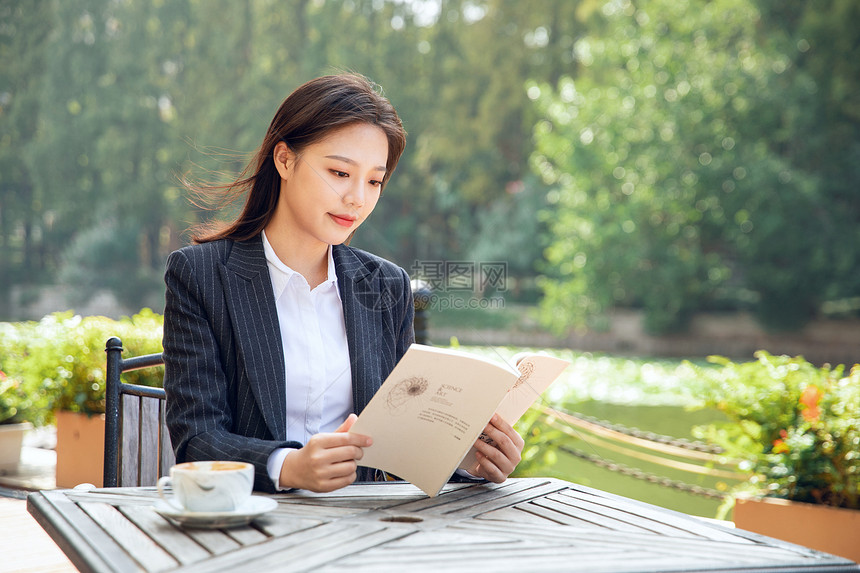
[(427, 415)]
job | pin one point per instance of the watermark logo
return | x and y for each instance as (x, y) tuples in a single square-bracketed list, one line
[(438, 285), (379, 292), (461, 285)]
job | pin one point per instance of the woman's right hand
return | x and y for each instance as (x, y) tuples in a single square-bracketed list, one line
[(327, 462)]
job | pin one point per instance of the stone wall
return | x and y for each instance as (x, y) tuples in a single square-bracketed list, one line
[(34, 303)]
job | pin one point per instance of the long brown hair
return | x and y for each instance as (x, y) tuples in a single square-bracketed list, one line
[(309, 114)]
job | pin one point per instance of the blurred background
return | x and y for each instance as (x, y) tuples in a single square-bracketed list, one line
[(666, 157), (649, 178)]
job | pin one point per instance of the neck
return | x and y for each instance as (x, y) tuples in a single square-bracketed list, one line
[(310, 261)]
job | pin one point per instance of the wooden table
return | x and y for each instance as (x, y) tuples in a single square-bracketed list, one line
[(533, 524)]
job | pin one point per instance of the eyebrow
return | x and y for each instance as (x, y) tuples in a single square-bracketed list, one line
[(352, 162)]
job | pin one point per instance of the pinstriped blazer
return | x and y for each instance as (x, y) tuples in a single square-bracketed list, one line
[(224, 363)]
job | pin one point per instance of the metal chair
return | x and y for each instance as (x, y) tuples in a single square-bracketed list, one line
[(137, 444)]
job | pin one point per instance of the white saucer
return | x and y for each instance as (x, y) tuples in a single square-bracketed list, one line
[(244, 514)]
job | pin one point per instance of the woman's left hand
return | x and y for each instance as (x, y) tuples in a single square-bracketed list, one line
[(498, 456)]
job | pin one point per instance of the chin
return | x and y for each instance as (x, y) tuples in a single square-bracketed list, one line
[(338, 240)]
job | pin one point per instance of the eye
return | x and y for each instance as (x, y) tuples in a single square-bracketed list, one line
[(376, 183), (338, 173)]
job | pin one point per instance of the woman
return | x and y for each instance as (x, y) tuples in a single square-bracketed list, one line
[(276, 333)]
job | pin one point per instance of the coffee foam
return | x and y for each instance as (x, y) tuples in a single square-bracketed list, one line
[(218, 466)]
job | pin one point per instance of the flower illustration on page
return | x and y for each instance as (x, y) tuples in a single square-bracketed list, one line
[(406, 391), (526, 370)]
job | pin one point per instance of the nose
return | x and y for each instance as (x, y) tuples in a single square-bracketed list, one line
[(355, 195)]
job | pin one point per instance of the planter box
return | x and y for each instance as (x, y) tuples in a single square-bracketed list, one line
[(11, 440), (832, 530), (80, 449)]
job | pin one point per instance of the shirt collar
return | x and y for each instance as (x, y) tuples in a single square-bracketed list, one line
[(281, 274)]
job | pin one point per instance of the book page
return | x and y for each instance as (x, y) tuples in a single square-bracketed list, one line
[(429, 412), (537, 372)]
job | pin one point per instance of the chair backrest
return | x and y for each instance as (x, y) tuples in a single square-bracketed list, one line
[(137, 444)]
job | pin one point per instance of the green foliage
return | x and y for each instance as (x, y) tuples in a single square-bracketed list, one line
[(60, 360), (685, 142), (23, 32), (680, 153), (20, 398), (539, 454), (85, 267), (105, 103), (796, 425), (11, 400)]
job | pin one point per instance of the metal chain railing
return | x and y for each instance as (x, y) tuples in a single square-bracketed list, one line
[(650, 436), (641, 475), (667, 445)]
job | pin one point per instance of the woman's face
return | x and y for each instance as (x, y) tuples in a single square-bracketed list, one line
[(332, 186)]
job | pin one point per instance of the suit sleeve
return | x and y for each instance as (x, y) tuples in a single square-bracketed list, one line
[(200, 404), (406, 332)]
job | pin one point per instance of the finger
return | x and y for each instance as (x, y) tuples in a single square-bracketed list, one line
[(336, 470), (326, 485), (502, 425), (340, 439), (499, 442), (488, 470), (500, 454), (347, 424), (493, 459), (348, 453), (505, 436), (325, 457), (331, 485)]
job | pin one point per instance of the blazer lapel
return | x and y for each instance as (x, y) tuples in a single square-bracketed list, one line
[(360, 290), (251, 302)]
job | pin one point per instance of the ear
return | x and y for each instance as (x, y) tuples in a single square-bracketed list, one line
[(283, 157)]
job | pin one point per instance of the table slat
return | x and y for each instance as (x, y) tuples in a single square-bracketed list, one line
[(83, 541), (498, 498), (139, 545), (214, 541), (678, 521), (246, 535), (575, 516), (521, 525), (321, 538), (315, 556), (181, 547), (280, 525)]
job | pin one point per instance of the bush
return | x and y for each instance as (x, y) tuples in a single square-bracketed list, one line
[(11, 400), (795, 425), (60, 360)]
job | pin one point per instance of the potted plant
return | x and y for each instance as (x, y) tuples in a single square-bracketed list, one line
[(796, 426), (64, 359), (13, 423)]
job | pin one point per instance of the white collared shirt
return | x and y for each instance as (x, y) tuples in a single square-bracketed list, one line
[(316, 354)]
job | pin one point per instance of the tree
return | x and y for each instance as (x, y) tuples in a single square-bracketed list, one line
[(673, 189), (821, 131), (128, 92), (23, 36)]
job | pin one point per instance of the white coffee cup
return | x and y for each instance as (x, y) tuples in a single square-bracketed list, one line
[(212, 486)]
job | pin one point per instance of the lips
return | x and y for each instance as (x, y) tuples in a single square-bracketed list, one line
[(343, 220)]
